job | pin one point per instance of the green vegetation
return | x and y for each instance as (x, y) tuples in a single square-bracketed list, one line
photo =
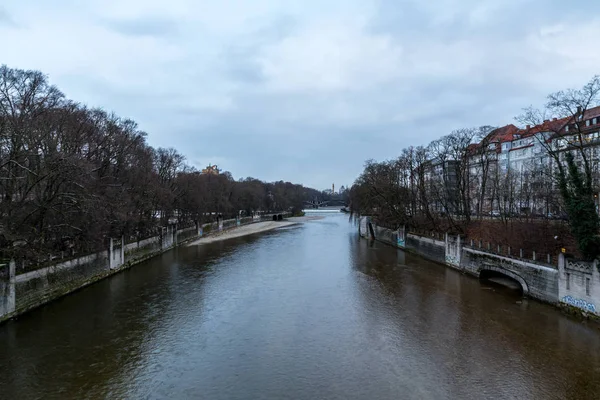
[(578, 195)]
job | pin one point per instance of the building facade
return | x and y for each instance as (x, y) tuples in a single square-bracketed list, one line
[(513, 171)]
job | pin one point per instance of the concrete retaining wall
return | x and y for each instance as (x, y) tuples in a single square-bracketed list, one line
[(429, 248), (579, 285), (7, 288), (385, 235), (40, 286), (22, 292), (538, 280)]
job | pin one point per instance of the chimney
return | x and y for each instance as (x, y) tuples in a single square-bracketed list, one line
[(546, 120), (554, 119), (579, 109), (528, 126)]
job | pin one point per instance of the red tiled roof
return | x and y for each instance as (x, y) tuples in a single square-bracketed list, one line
[(503, 134), (591, 113), (554, 125), (496, 137), (507, 133), (558, 129)]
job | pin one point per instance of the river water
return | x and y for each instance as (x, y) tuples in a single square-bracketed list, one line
[(307, 312)]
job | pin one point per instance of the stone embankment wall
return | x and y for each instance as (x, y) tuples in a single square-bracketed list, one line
[(429, 248), (579, 285), (537, 279), (20, 292)]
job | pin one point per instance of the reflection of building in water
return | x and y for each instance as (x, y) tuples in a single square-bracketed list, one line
[(211, 170)]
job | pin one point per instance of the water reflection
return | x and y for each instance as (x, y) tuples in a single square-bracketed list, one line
[(462, 330), (304, 313)]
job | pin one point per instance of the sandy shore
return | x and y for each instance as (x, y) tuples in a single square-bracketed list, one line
[(252, 229)]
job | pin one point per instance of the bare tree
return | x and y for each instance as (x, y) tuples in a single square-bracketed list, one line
[(70, 176), (567, 143)]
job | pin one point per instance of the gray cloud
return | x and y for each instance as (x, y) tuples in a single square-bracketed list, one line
[(292, 93), (239, 58), (239, 65), (6, 19), (143, 26)]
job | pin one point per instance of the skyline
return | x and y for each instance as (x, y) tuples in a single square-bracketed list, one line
[(317, 88)]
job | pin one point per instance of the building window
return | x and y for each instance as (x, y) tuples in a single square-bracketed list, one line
[(568, 281), (587, 123), (587, 286), (566, 128), (595, 121)]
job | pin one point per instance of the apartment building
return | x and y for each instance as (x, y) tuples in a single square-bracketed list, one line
[(512, 170), (581, 134), (441, 182), (485, 162)]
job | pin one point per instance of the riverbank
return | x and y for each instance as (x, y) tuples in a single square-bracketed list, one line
[(245, 230), (21, 292), (299, 313), (252, 229), (570, 284)]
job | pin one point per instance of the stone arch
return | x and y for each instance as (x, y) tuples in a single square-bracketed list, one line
[(509, 274)]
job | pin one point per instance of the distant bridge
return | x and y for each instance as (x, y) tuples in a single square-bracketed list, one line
[(325, 203)]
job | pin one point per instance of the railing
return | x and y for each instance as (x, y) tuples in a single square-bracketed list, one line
[(507, 251)]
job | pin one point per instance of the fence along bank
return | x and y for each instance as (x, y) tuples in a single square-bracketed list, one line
[(23, 291), (572, 284)]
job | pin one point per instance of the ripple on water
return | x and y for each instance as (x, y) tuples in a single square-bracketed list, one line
[(308, 312)]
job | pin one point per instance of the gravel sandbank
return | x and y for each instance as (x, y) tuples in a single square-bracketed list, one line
[(252, 229)]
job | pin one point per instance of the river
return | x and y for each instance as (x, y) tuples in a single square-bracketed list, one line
[(306, 312)]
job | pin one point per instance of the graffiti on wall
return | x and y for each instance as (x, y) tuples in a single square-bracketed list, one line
[(452, 260), (579, 303), (400, 241)]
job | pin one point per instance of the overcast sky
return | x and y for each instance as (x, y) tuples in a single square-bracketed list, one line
[(304, 90)]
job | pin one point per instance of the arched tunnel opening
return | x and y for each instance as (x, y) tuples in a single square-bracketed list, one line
[(279, 217), (498, 279), (274, 217)]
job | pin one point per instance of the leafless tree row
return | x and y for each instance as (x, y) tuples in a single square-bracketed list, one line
[(466, 174), (72, 176)]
